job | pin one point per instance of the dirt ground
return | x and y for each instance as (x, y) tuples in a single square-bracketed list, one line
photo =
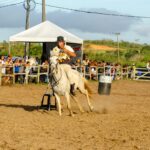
[(120, 121)]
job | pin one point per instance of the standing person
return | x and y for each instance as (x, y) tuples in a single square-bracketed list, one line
[(86, 64), (148, 66), (64, 53), (21, 70), (2, 61), (28, 67), (44, 68)]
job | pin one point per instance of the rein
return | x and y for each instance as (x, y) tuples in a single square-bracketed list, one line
[(53, 78)]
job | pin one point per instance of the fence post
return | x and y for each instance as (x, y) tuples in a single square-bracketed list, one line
[(121, 72), (38, 75), (134, 73), (26, 75), (48, 71), (0, 75), (13, 74), (127, 72), (104, 70), (97, 72)]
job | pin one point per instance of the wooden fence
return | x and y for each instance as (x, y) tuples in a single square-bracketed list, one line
[(27, 73), (142, 74), (93, 72)]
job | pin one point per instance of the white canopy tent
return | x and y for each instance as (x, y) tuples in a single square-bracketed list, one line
[(45, 32)]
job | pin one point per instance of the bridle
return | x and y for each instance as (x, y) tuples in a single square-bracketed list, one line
[(53, 80)]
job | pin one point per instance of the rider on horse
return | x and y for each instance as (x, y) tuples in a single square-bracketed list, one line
[(64, 53)]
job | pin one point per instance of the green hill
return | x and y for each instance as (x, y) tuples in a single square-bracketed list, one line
[(106, 50)]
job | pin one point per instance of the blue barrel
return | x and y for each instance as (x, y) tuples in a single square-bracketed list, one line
[(104, 87)]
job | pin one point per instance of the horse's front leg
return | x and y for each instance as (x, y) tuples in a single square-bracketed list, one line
[(68, 103), (58, 103)]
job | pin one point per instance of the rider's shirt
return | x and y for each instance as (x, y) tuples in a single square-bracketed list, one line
[(62, 56)]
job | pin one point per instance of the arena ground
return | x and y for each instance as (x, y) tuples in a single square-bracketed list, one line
[(120, 121)]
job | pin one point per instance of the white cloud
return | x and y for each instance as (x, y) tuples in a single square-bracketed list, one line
[(143, 30)]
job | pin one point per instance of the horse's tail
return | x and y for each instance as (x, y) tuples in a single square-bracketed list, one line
[(86, 85)]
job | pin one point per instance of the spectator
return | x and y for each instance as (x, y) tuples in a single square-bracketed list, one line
[(148, 66), (28, 67), (2, 62), (45, 66), (44, 77), (16, 69), (17, 66)]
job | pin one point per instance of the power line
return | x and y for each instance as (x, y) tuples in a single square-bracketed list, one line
[(7, 2), (14, 4), (82, 11), (94, 12)]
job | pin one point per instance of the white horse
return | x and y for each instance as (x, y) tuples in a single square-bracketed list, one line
[(61, 84)]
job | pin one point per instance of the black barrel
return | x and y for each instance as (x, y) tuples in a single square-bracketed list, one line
[(104, 87)]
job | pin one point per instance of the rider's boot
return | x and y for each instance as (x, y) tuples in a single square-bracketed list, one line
[(72, 89)]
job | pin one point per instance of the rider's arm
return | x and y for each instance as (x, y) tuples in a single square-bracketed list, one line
[(69, 51)]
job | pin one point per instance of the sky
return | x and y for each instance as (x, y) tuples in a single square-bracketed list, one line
[(86, 26)]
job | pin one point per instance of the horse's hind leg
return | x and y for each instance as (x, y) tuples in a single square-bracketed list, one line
[(68, 104), (85, 92), (88, 100), (58, 103), (80, 107)]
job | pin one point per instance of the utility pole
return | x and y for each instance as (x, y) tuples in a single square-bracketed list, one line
[(27, 14), (28, 5), (43, 10), (46, 45), (26, 51), (118, 46)]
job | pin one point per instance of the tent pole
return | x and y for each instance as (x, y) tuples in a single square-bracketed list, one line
[(82, 53), (29, 50), (25, 52)]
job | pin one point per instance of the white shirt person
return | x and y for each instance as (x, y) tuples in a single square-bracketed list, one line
[(64, 53)]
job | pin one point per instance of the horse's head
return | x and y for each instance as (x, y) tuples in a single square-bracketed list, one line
[(54, 64)]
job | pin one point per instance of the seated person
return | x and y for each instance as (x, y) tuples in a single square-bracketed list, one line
[(44, 66)]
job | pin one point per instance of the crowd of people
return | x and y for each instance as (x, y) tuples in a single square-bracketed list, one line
[(16, 65), (93, 68), (116, 70)]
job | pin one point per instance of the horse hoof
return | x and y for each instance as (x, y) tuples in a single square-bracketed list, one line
[(72, 115), (92, 108), (82, 111)]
